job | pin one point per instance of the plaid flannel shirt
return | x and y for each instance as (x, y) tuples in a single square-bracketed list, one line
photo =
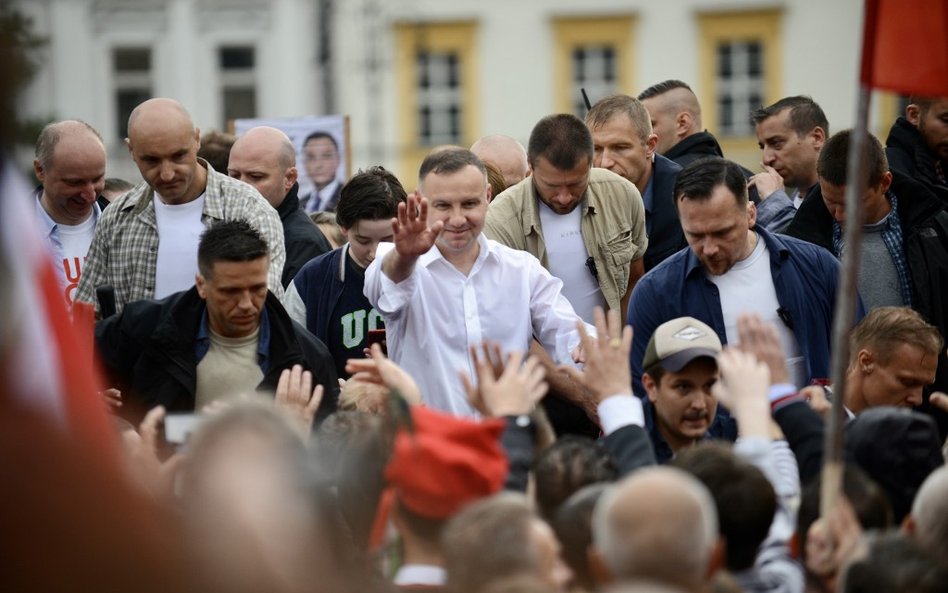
[(892, 237), (124, 250)]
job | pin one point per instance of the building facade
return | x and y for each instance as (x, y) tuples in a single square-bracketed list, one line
[(412, 74)]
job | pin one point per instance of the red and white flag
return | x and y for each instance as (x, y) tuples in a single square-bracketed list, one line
[(49, 359)]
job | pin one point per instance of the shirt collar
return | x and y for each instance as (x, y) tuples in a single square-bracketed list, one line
[(420, 574), (434, 254), (202, 341), (49, 225)]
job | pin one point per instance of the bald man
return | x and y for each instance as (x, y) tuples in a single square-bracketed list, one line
[(506, 154), (660, 524), (70, 166), (145, 245), (265, 158)]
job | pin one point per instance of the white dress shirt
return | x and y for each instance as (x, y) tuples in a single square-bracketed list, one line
[(434, 316)]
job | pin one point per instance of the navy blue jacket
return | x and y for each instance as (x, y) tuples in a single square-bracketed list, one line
[(665, 236), (805, 278), (320, 284)]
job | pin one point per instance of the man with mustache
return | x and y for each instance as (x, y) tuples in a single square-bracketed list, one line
[(680, 368)]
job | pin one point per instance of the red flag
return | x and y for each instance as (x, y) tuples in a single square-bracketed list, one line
[(905, 46), (49, 365)]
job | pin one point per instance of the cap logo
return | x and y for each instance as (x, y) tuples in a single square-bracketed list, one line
[(689, 333)]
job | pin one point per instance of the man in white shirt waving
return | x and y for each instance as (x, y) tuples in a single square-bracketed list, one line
[(443, 287)]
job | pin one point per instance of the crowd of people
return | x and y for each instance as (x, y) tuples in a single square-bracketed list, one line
[(597, 362)]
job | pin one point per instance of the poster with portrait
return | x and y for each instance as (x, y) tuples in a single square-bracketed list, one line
[(322, 153)]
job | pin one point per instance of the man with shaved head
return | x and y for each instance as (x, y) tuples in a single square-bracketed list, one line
[(676, 120), (659, 524), (506, 154), (145, 245), (70, 165), (264, 157)]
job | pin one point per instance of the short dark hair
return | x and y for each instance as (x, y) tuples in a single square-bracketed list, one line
[(215, 149), (566, 466), (745, 499), (866, 497), (805, 114), (230, 241), (923, 103), (450, 159), (698, 180), (833, 160), (661, 88), (894, 562), (656, 372), (562, 139), (573, 527), (372, 194), (322, 134)]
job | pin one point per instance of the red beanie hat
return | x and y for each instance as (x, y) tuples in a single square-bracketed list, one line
[(441, 464)]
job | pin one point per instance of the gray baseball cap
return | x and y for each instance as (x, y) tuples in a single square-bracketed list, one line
[(677, 342)]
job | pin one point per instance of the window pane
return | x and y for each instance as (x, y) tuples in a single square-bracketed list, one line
[(236, 58), (131, 59), (740, 84), (125, 101), (594, 69), (239, 102), (438, 94)]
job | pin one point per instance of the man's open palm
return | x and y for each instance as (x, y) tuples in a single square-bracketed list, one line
[(411, 233)]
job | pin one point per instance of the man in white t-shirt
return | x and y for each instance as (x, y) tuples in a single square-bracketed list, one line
[(585, 225), (443, 287), (70, 165), (145, 245), (734, 266)]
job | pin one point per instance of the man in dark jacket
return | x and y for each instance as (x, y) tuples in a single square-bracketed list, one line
[(917, 145), (624, 144), (326, 296), (676, 119), (732, 267), (264, 158), (896, 207), (226, 336)]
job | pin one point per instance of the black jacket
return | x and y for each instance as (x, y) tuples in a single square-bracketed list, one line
[(302, 237), (665, 236), (694, 147), (908, 154), (924, 224), (699, 146), (148, 350)]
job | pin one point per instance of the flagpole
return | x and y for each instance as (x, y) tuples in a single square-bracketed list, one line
[(846, 299), (847, 291)]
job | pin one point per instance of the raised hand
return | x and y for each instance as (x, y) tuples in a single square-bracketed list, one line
[(412, 236), (516, 390), (766, 182), (607, 356), (761, 339), (294, 395), (381, 370)]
